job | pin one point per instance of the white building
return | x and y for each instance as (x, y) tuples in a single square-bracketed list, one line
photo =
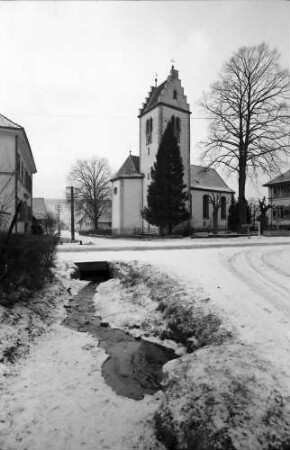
[(130, 183), (206, 187), (16, 169), (279, 199)]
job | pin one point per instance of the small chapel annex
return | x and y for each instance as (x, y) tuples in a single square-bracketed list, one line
[(130, 183)]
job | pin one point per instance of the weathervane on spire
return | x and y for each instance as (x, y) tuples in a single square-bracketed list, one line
[(173, 62), (156, 78)]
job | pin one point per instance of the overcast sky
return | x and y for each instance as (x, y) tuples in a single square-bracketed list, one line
[(75, 74)]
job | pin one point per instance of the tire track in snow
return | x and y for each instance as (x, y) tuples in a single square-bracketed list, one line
[(279, 261), (254, 269)]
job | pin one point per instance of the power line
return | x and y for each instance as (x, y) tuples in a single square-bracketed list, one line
[(84, 116)]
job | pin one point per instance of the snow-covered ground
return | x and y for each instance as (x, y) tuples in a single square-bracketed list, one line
[(249, 284), (56, 398)]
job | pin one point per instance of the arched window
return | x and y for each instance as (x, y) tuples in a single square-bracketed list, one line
[(177, 128), (175, 94), (149, 130), (205, 207), (223, 208)]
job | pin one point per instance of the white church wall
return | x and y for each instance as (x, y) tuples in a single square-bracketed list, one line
[(199, 222), (116, 206), (126, 206), (132, 206)]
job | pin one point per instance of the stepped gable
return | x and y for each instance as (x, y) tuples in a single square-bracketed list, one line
[(283, 178), (157, 94), (205, 178), (153, 98), (130, 168)]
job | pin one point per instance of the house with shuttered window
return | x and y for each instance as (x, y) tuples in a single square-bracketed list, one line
[(17, 167), (279, 199)]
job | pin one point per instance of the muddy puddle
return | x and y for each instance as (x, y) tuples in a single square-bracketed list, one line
[(133, 367)]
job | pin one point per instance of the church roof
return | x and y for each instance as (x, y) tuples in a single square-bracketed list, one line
[(130, 168), (153, 97), (283, 178), (157, 94), (205, 178)]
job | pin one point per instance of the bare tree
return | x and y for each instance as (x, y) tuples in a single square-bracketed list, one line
[(263, 207), (93, 190), (254, 209), (6, 201), (216, 201), (50, 223), (249, 112)]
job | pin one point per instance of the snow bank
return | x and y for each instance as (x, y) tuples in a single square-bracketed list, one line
[(149, 302), (223, 397), (220, 396), (20, 325), (56, 397)]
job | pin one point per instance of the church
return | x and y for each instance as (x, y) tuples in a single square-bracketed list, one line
[(130, 183)]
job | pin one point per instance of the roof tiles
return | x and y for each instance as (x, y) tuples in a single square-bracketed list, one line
[(283, 178), (130, 168), (207, 179)]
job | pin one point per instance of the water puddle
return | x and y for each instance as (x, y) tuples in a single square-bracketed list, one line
[(133, 367)]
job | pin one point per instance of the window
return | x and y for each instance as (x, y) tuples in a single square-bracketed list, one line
[(177, 128), (115, 190), (18, 165), (223, 208), (149, 130), (175, 94), (27, 181), (281, 191), (205, 207), (279, 212)]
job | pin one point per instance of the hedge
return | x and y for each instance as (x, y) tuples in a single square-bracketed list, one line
[(25, 262)]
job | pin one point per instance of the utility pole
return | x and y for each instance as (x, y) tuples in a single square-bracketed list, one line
[(58, 209), (72, 207), (70, 198)]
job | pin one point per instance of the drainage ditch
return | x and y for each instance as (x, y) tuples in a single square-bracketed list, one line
[(134, 366)]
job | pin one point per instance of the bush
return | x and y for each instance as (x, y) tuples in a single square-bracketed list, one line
[(93, 232), (25, 262)]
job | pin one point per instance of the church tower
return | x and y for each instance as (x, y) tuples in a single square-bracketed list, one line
[(163, 102)]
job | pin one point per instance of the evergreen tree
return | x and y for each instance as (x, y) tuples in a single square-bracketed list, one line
[(166, 196), (233, 218)]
